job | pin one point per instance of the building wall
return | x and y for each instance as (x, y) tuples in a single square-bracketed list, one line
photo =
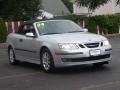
[(117, 9), (109, 8)]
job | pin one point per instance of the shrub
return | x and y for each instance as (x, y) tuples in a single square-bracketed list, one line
[(91, 25), (68, 4), (3, 32), (108, 23), (72, 17)]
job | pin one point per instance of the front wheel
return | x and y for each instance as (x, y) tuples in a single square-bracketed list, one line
[(47, 61)]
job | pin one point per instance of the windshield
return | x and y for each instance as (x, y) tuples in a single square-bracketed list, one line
[(57, 27)]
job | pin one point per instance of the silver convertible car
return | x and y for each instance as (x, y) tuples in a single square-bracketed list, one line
[(57, 43)]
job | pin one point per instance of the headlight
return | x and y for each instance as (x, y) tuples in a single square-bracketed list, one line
[(106, 43), (69, 46)]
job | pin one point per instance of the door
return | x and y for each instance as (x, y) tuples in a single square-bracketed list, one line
[(26, 46)]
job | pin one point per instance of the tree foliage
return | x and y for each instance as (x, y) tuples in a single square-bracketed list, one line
[(68, 4), (91, 4), (19, 9), (118, 2), (3, 32)]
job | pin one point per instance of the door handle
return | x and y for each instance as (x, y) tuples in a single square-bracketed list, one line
[(21, 40)]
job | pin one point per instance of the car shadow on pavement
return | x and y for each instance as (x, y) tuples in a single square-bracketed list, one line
[(29, 66), (81, 69), (67, 70)]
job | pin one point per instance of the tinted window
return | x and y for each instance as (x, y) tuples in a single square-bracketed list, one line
[(26, 29)]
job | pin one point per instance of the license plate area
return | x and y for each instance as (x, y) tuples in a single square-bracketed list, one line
[(95, 52)]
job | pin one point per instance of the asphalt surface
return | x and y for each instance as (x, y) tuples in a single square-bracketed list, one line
[(26, 76)]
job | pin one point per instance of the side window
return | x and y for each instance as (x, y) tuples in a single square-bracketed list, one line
[(27, 29)]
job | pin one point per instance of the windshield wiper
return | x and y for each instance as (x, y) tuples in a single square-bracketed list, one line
[(74, 31), (50, 33)]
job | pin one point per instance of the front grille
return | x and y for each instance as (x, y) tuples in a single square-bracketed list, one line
[(81, 46), (92, 58), (92, 45)]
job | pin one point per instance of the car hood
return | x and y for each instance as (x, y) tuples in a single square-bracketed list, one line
[(75, 37)]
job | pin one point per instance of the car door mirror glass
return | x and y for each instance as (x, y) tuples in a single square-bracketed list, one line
[(30, 34)]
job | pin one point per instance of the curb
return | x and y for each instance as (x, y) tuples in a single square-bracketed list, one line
[(112, 35)]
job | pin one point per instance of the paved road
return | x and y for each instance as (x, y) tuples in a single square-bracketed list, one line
[(27, 76)]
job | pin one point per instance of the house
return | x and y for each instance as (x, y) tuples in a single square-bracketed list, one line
[(107, 9), (55, 7)]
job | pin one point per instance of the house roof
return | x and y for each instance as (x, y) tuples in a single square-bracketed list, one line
[(56, 7)]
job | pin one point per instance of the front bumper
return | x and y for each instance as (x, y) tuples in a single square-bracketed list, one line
[(81, 57)]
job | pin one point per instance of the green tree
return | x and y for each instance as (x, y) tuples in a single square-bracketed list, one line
[(118, 2), (3, 32), (19, 9), (68, 4), (91, 4)]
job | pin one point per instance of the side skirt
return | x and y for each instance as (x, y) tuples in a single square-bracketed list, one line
[(26, 59)]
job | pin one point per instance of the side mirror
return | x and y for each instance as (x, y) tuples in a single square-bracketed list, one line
[(85, 29), (30, 34)]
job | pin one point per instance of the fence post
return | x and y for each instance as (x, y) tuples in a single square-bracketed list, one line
[(102, 32), (119, 29), (98, 30), (13, 29), (83, 23), (18, 23), (6, 23)]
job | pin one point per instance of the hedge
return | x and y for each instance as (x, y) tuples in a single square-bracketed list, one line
[(3, 32), (68, 4), (108, 23), (90, 24), (75, 18)]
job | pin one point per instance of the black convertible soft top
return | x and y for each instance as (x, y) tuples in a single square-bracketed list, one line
[(37, 20)]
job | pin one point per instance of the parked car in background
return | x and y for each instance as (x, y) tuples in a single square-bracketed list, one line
[(57, 43)]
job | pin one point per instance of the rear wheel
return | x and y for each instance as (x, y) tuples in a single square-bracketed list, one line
[(11, 56), (47, 60)]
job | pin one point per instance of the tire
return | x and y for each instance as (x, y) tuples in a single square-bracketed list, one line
[(47, 61), (11, 56)]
